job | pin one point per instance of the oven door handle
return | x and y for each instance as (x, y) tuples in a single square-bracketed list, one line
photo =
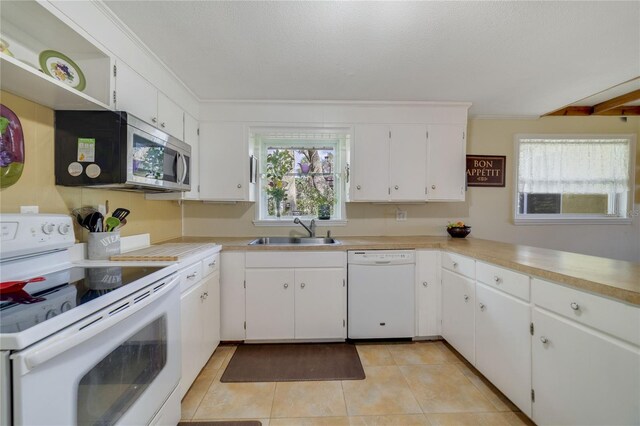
[(97, 323)]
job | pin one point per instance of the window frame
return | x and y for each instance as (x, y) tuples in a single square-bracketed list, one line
[(341, 177), (568, 218)]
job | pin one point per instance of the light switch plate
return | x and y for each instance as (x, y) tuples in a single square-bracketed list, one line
[(401, 215)]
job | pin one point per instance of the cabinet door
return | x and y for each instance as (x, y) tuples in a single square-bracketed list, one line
[(581, 376), (224, 162), (136, 95), (270, 304), (191, 336), (191, 137), (503, 344), (446, 163), (370, 164), (232, 296), (320, 302), (458, 313), (210, 316), (170, 117), (407, 174), (428, 293)]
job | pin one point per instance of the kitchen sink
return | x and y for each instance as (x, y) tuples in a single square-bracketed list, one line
[(315, 241)]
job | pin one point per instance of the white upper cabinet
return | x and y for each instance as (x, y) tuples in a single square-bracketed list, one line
[(446, 162), (134, 94), (31, 28), (370, 163), (224, 162), (407, 173), (388, 163)]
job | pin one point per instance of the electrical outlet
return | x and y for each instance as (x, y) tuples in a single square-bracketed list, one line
[(102, 209), (29, 209), (401, 215)]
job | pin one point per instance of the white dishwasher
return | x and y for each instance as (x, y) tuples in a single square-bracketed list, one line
[(381, 294)]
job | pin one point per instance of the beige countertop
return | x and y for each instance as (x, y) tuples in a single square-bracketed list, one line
[(609, 277)]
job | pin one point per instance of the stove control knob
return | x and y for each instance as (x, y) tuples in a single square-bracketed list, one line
[(48, 228), (65, 307), (64, 228), (51, 313)]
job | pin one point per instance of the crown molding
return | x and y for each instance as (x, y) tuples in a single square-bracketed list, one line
[(335, 102), (104, 9)]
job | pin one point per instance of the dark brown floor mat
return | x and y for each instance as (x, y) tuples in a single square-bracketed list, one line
[(294, 362), (223, 423)]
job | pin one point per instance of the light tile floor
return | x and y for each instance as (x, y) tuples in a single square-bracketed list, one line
[(417, 383)]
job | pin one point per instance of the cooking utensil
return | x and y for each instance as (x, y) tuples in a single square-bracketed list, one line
[(123, 222), (120, 213), (15, 286), (111, 223), (94, 222)]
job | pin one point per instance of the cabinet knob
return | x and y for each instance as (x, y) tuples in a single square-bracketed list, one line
[(206, 294), (302, 285), (424, 283), (433, 187), (358, 187), (397, 187), (154, 120), (286, 285), (162, 125), (239, 185), (575, 306), (192, 276), (544, 339), (466, 298), (497, 279), (212, 264), (482, 306), (455, 264)]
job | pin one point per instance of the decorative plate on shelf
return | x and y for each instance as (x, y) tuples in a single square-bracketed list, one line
[(62, 68)]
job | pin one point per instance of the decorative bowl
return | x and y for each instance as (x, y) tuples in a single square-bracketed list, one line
[(459, 231)]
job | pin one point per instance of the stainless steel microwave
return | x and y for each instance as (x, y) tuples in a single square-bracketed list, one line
[(110, 149)]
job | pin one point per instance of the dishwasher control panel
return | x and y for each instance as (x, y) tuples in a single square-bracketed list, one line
[(381, 257)]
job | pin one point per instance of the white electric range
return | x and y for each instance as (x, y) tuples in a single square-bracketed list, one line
[(83, 344)]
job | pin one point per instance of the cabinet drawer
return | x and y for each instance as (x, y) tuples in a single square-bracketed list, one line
[(514, 283), (210, 264), (460, 264), (190, 275), (614, 318), (296, 259)]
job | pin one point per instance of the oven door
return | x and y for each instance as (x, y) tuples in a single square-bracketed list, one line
[(117, 366)]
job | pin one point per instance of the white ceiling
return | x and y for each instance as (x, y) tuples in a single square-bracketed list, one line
[(507, 58)]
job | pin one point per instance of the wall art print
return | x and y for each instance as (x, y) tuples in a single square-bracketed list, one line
[(11, 147)]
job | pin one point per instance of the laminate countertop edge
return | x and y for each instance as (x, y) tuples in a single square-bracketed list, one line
[(616, 279)]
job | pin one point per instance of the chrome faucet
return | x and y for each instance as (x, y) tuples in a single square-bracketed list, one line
[(311, 229)]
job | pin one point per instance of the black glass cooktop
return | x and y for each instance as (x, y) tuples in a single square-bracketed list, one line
[(61, 291)]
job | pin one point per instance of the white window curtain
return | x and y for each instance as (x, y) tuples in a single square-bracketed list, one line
[(573, 166)]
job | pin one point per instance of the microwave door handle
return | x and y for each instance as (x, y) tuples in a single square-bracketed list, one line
[(75, 337), (176, 167), (185, 169)]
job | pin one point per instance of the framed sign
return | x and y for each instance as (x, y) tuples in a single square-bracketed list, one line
[(485, 170)]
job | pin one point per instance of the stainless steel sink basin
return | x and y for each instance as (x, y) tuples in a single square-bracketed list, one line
[(270, 241)]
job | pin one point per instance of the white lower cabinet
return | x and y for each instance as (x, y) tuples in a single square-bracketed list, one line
[(319, 303), (428, 293), (300, 303), (270, 304), (199, 316), (232, 295), (581, 376), (503, 344), (458, 295), (306, 303)]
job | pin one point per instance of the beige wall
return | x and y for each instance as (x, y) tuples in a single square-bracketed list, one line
[(488, 210), (162, 219)]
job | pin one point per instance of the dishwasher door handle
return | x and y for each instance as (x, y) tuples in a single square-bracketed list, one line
[(382, 262)]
